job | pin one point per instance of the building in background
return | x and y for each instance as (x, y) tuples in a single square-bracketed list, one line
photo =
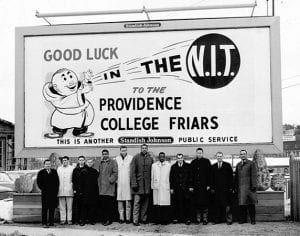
[(291, 139), (7, 145)]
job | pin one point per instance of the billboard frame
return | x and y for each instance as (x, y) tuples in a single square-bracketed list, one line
[(275, 146)]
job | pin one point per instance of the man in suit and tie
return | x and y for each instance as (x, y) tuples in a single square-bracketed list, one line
[(179, 187), (48, 182), (221, 188)]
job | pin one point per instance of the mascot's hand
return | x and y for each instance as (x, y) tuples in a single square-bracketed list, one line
[(87, 82)]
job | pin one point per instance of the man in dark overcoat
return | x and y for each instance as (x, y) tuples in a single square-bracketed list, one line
[(246, 181), (89, 193), (77, 201), (179, 187), (140, 182), (48, 182), (200, 185), (108, 176), (221, 188)]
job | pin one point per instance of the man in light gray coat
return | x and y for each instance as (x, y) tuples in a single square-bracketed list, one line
[(246, 180), (123, 189)]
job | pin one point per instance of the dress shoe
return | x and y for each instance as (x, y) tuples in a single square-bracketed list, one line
[(144, 222), (51, 224), (127, 221), (205, 222), (92, 222), (69, 222), (242, 222), (45, 226), (121, 221), (175, 221), (81, 223), (253, 222), (106, 223), (229, 223), (188, 222), (136, 223)]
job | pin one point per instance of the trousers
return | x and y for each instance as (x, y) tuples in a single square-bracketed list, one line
[(201, 213), (127, 210), (243, 212), (65, 208), (140, 207), (219, 213)]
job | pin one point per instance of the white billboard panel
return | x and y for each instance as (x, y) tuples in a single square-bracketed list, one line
[(208, 86)]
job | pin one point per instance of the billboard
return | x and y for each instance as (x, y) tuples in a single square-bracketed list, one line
[(166, 83)]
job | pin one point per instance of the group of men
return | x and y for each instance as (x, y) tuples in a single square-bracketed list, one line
[(180, 192)]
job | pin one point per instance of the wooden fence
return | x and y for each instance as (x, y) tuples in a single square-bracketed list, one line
[(295, 187)]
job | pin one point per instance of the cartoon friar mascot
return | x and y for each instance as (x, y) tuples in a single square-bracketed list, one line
[(72, 110)]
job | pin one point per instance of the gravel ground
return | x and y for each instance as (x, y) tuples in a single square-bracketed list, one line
[(261, 228)]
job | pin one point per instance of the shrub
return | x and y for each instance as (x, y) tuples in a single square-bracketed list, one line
[(24, 184), (263, 175)]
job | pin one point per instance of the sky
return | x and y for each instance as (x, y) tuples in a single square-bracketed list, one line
[(15, 13)]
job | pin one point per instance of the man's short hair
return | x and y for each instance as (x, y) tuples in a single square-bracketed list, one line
[(144, 145), (65, 157), (123, 146), (46, 161), (219, 153), (161, 153), (243, 150), (81, 157), (199, 149), (105, 151), (179, 154)]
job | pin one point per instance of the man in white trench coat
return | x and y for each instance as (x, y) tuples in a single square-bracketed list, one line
[(65, 192), (123, 185), (160, 184)]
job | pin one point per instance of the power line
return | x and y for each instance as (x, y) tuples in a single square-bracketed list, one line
[(290, 86), (291, 77)]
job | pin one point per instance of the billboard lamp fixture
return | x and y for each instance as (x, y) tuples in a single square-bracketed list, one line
[(146, 11)]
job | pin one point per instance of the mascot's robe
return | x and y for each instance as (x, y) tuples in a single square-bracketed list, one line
[(73, 111)]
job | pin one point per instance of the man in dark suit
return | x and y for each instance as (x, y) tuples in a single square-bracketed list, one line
[(48, 182), (89, 193), (179, 188), (246, 180), (77, 202), (200, 185), (221, 188)]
